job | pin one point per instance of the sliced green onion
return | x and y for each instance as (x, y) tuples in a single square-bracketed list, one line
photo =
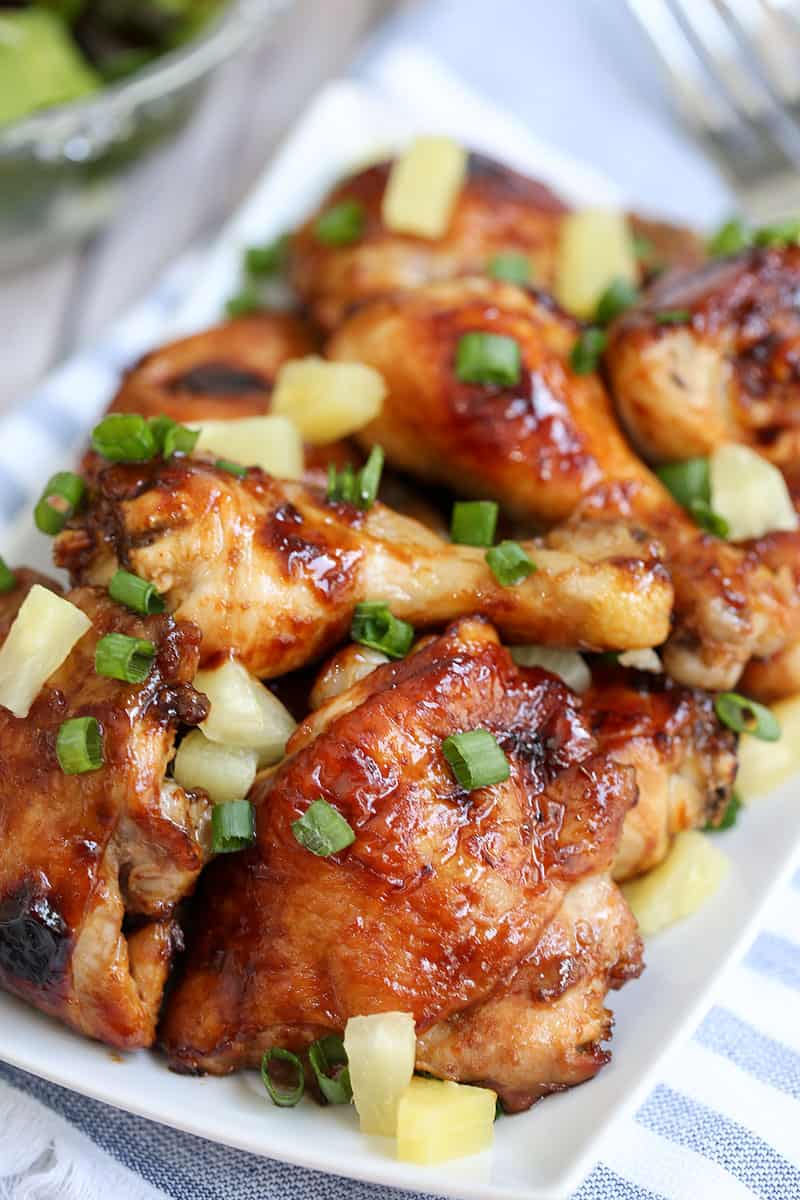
[(488, 358), (284, 1097), (359, 488), (179, 440), (261, 262), (475, 759), (79, 746), (326, 1055), (8, 580), (233, 826), (618, 296), (233, 468), (585, 354), (322, 829), (135, 593), (709, 520), (118, 656), (509, 563), (124, 437), (730, 238), (340, 225), (729, 817), (374, 625), (244, 302), (473, 522), (58, 502), (511, 267), (782, 233), (690, 484), (746, 716), (672, 316)]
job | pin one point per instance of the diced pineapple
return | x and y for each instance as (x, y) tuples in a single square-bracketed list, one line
[(763, 765), (567, 664), (749, 492), (42, 636), (423, 187), (244, 712), (688, 876), (438, 1120), (641, 660), (328, 400), (225, 772), (595, 248), (272, 443), (343, 671), (381, 1050)]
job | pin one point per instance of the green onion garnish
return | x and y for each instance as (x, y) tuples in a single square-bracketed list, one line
[(730, 238), (284, 1097), (511, 267), (326, 1055), (618, 296), (473, 522), (233, 826), (475, 759), (509, 563), (322, 829), (340, 225), (261, 262), (232, 468), (79, 746), (8, 580), (689, 482), (672, 316), (782, 233), (118, 656), (375, 626), (585, 354), (746, 716), (244, 303), (729, 817), (359, 488), (135, 593), (124, 437), (172, 438), (709, 520), (488, 358), (58, 502)]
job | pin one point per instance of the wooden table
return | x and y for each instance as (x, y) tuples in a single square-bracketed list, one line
[(179, 196)]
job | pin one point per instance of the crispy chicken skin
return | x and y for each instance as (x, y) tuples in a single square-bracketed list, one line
[(272, 572), (497, 210), (550, 449), (80, 854), (727, 373), (685, 760), (443, 906)]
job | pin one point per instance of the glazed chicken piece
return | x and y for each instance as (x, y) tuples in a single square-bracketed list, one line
[(82, 854), (489, 915), (727, 372), (685, 760), (271, 571), (550, 450)]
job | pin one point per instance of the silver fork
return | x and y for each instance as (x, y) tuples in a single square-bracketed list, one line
[(733, 67)]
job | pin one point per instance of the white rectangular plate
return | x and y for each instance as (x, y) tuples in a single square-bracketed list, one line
[(543, 1154)]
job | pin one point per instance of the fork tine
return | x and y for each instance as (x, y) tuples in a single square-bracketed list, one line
[(763, 46)]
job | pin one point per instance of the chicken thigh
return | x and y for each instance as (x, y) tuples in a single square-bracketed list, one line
[(489, 915)]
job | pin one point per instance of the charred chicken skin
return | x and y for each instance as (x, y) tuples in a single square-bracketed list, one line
[(469, 910), (549, 449), (84, 853), (271, 571)]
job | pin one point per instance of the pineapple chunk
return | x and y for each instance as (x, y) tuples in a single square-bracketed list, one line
[(328, 400), (595, 248), (423, 187), (224, 772), (272, 443), (567, 664), (42, 636), (763, 765), (749, 492), (244, 712), (381, 1050), (688, 876), (438, 1120)]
